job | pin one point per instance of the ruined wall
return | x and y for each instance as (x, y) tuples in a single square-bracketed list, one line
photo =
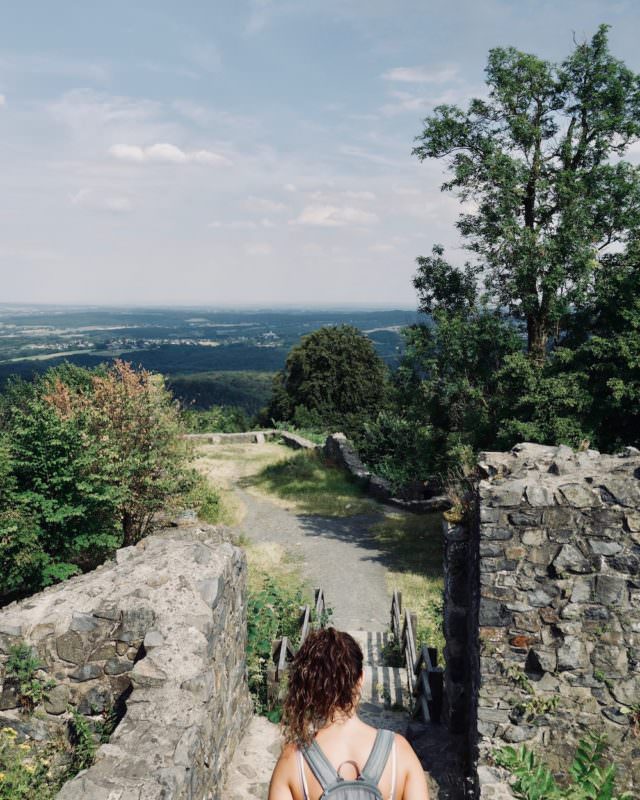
[(163, 629), (542, 611), (418, 498)]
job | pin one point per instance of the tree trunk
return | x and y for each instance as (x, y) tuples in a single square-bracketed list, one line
[(537, 336), (129, 529)]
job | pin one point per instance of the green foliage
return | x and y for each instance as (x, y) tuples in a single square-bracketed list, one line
[(332, 379), (537, 158), (22, 666), (86, 460), (25, 769), (82, 741), (273, 611), (442, 396), (246, 391), (539, 338), (314, 485), (590, 778), (217, 419)]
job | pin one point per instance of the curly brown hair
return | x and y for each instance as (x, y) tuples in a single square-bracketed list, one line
[(322, 681)]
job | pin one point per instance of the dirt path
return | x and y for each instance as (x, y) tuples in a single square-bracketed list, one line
[(337, 553)]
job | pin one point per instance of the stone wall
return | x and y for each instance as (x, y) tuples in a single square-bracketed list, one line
[(423, 497), (161, 629), (542, 611), (292, 440)]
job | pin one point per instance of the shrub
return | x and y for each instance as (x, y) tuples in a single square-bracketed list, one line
[(590, 778), (273, 611), (87, 458)]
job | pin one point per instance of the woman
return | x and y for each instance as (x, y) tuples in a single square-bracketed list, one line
[(325, 742)]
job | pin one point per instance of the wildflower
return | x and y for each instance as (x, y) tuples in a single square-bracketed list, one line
[(10, 732), (30, 768), (2, 775)]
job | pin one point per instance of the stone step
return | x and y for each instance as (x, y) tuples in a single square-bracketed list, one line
[(372, 644), (385, 685)]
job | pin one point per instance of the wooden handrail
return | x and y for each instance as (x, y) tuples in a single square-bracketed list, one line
[(424, 676)]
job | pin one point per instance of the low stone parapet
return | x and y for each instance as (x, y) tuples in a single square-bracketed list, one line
[(162, 629), (341, 451)]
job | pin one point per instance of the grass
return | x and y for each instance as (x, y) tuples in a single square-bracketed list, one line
[(413, 547), (312, 487)]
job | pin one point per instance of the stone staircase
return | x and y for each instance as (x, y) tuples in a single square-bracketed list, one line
[(383, 705)]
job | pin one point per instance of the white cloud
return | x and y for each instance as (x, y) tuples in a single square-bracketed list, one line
[(3, 100), (254, 203), (127, 152), (258, 249), (88, 198), (163, 152), (334, 216), (290, 187), (422, 74)]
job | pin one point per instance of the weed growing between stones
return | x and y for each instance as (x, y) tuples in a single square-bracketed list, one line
[(590, 778), (21, 667), (31, 769)]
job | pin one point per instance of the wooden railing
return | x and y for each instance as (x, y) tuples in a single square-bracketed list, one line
[(424, 676), (283, 650)]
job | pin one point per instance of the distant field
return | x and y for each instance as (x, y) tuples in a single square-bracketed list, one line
[(209, 357)]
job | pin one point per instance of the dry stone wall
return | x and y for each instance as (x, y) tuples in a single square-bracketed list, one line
[(162, 630), (419, 498), (542, 609)]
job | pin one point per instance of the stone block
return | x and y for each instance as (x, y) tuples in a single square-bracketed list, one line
[(95, 701), (116, 666), (577, 495), (70, 647), (571, 560), (610, 590), (87, 672), (539, 496), (572, 654), (57, 699), (494, 533), (494, 614), (534, 538)]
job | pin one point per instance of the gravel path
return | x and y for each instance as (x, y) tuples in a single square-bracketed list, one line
[(337, 553)]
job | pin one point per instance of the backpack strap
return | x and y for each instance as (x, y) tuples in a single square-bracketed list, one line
[(378, 757), (320, 765)]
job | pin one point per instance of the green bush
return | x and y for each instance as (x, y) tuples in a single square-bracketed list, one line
[(333, 379), (86, 461), (273, 611), (589, 777), (217, 419)]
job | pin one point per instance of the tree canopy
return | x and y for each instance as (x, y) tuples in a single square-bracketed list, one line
[(539, 164), (333, 378)]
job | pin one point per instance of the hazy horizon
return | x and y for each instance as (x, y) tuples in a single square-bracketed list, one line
[(251, 153)]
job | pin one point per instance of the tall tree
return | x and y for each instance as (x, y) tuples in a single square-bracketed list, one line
[(540, 159)]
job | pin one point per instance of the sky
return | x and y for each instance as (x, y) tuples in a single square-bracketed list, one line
[(243, 152)]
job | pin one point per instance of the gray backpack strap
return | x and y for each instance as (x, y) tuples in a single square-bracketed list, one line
[(378, 757), (320, 765)]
